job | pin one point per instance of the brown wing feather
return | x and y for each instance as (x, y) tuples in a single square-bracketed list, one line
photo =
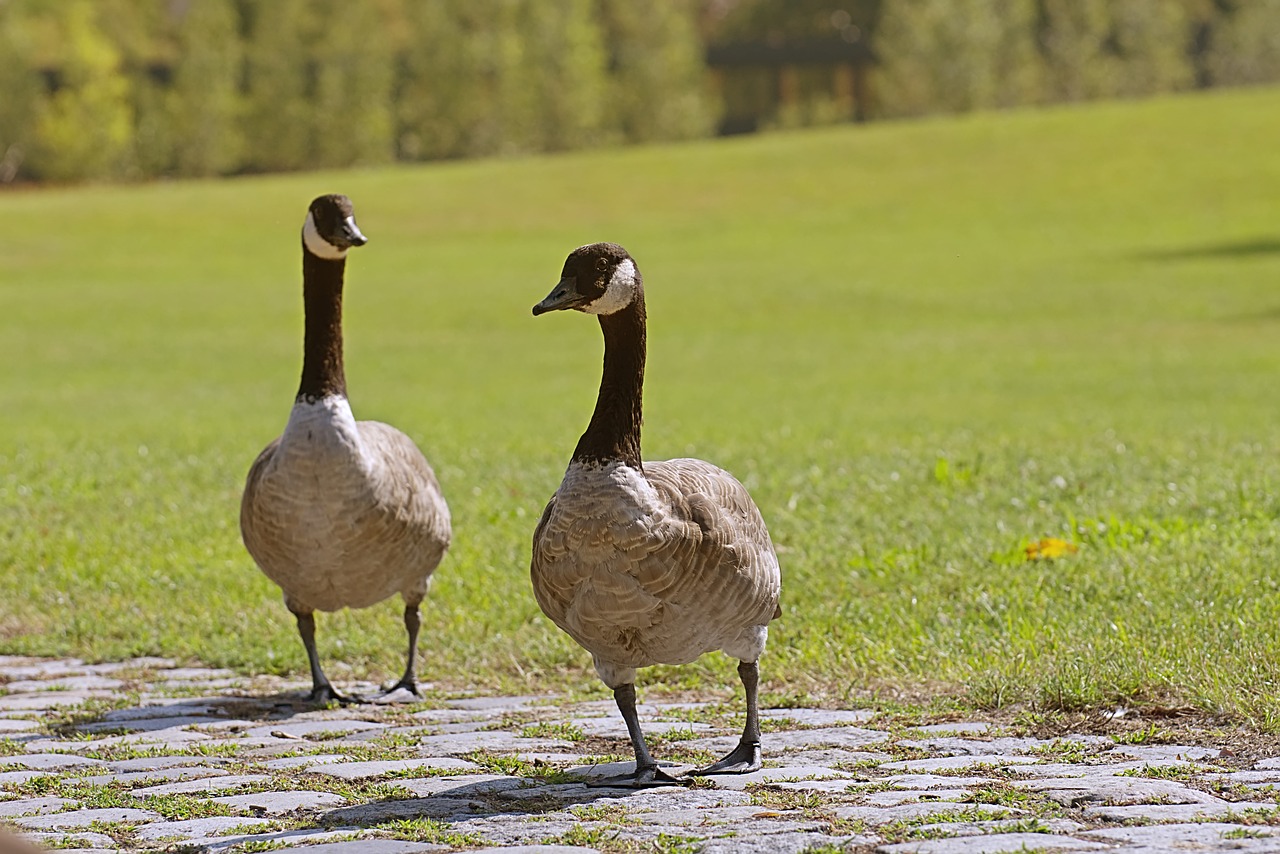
[(659, 569), (726, 551), (413, 497)]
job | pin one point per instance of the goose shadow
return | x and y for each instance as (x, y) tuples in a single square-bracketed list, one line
[(179, 713), (1267, 315), (1259, 247), (1238, 249), (453, 801), (456, 802)]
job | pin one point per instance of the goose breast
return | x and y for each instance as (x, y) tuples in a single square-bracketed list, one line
[(654, 567), (345, 519)]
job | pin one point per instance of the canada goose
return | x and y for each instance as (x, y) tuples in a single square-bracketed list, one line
[(655, 562), (341, 513)]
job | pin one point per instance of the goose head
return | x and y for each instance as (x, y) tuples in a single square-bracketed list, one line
[(599, 278), (330, 228)]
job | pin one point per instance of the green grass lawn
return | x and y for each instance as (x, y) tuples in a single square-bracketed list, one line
[(920, 345)]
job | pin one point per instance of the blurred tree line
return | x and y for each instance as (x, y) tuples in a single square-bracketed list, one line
[(935, 56), (954, 55), (124, 89), (138, 88)]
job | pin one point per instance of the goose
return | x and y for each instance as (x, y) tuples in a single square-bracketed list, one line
[(646, 563), (341, 513)]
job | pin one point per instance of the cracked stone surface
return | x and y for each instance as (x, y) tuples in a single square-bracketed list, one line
[(147, 755)]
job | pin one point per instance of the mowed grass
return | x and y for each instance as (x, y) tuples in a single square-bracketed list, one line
[(920, 345)]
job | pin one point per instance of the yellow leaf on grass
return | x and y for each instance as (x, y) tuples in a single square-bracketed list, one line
[(1050, 548)]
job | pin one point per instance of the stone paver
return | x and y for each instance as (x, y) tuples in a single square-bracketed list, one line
[(83, 842), (985, 844), (217, 763), (381, 846), (1114, 790), (11, 725), (47, 761), (1206, 836), (365, 770), (152, 776), (200, 828), (17, 778), (86, 818), (279, 803), (205, 784), (34, 806), (952, 763), (1176, 812), (919, 813)]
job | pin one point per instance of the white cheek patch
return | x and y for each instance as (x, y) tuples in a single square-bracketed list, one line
[(619, 293), (317, 245)]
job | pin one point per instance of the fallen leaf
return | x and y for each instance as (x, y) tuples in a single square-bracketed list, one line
[(1050, 548)]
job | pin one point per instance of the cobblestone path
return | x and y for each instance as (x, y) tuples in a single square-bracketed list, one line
[(146, 755)]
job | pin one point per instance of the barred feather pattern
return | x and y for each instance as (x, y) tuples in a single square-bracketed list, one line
[(656, 565), (343, 514)]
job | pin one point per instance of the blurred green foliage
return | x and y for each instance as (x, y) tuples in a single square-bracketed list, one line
[(122, 89), (130, 89), (958, 55), (142, 88)]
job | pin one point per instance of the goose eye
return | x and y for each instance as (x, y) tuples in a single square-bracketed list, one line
[(602, 264)]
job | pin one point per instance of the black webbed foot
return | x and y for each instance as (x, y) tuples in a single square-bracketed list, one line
[(649, 777), (744, 759), (326, 694), (401, 692)]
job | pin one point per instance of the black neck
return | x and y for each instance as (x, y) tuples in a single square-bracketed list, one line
[(614, 431), (322, 374)]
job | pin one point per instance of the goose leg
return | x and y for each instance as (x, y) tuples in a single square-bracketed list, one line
[(406, 690), (647, 773), (745, 758), (321, 690)]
